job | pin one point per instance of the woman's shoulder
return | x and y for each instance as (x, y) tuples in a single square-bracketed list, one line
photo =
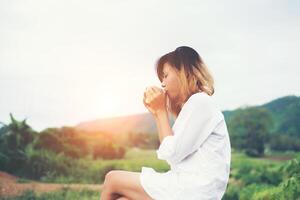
[(203, 102), (200, 95), (198, 99)]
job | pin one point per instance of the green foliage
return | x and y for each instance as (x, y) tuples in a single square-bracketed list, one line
[(258, 174), (64, 194), (283, 131), (282, 142), (64, 140), (290, 125), (50, 167), (15, 138), (266, 181), (143, 140), (4, 159), (291, 168), (232, 192), (289, 189), (248, 192), (66, 156), (108, 150), (249, 129), (23, 180), (285, 113), (61, 155)]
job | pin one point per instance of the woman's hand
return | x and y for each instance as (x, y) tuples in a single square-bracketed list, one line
[(155, 100)]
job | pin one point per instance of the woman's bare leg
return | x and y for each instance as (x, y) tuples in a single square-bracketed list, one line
[(124, 183)]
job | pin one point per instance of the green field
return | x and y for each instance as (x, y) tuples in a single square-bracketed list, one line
[(276, 176)]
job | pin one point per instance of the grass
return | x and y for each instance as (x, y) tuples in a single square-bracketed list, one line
[(23, 180), (133, 161), (64, 194), (93, 171)]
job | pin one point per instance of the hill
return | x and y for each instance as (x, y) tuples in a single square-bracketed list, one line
[(285, 112)]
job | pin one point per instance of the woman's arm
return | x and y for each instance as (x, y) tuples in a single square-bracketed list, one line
[(163, 124), (197, 121), (155, 102)]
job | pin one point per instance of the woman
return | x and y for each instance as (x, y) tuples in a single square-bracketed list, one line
[(197, 146)]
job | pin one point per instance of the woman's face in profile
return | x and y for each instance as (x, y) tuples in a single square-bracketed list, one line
[(171, 82)]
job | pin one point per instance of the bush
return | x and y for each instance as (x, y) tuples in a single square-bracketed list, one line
[(108, 150), (232, 193), (282, 142), (248, 174), (64, 140), (248, 192), (289, 189)]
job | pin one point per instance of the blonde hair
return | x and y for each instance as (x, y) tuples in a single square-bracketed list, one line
[(192, 73)]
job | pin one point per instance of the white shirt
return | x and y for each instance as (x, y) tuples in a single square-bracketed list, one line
[(198, 153)]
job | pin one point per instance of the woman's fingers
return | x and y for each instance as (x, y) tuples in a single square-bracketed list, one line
[(152, 90), (145, 103), (150, 93), (155, 90), (158, 89), (146, 94)]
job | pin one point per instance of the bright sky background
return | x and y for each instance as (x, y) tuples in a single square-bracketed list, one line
[(63, 62)]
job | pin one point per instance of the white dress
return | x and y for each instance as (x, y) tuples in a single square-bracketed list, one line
[(198, 152)]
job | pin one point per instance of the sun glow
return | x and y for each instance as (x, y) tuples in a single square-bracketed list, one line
[(109, 104)]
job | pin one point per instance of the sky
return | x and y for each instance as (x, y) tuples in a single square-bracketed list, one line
[(64, 62)]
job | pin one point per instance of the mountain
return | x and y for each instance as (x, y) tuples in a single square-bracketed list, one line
[(285, 112), (137, 123)]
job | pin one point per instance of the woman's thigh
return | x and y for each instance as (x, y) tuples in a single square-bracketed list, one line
[(127, 184)]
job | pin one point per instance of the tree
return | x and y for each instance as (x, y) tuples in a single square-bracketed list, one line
[(14, 139), (65, 140), (249, 129), (291, 124)]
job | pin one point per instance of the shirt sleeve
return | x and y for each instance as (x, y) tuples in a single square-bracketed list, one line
[(198, 120)]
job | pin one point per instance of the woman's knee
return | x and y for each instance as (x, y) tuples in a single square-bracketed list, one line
[(111, 178), (124, 183)]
